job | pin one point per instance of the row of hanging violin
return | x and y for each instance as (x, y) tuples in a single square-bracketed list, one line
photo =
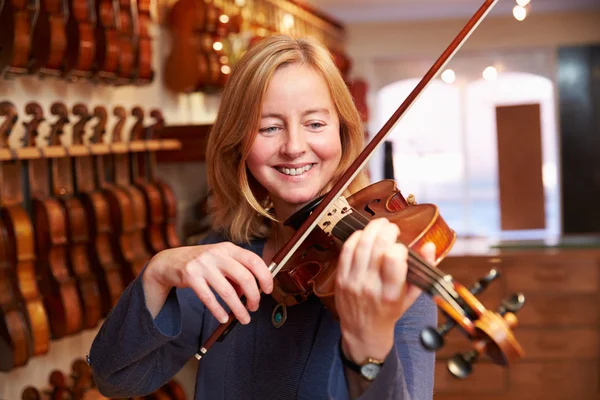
[(80, 386), (74, 230), (104, 41)]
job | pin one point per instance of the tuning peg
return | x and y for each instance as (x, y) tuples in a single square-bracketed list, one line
[(461, 365), (513, 304), (484, 282), (433, 338)]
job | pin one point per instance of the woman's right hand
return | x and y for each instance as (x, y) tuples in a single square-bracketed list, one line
[(226, 268)]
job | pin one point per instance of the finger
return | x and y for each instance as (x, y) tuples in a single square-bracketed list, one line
[(428, 251), (255, 264), (393, 271), (386, 238), (346, 256), (216, 279), (364, 251), (242, 281), (208, 298)]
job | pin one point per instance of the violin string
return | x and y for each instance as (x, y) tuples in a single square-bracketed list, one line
[(431, 276)]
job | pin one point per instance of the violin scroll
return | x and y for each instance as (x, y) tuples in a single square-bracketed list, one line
[(491, 332)]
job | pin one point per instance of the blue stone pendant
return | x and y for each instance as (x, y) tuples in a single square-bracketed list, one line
[(279, 315)]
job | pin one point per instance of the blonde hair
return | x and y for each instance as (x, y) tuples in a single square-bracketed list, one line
[(239, 205)]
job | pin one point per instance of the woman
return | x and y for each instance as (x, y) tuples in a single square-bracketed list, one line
[(287, 128)]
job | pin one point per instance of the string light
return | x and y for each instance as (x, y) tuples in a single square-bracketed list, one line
[(448, 76), (523, 3), (519, 12), (490, 73)]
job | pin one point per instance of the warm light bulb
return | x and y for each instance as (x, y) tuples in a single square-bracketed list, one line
[(523, 3), (490, 73), (448, 76), (288, 21), (224, 18), (225, 69), (218, 46), (520, 13), (240, 3)]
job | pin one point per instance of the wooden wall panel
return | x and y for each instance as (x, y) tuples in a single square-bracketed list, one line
[(521, 188)]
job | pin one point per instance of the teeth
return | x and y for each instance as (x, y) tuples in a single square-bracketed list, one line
[(294, 171)]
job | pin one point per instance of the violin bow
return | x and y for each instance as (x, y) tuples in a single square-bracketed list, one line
[(289, 248)]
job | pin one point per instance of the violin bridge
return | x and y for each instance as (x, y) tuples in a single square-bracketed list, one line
[(339, 210)]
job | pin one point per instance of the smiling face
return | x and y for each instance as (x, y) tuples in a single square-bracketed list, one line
[(297, 148)]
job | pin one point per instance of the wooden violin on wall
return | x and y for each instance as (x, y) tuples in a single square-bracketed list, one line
[(307, 263)]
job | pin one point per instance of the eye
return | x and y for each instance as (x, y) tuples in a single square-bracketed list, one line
[(316, 126), (269, 130)]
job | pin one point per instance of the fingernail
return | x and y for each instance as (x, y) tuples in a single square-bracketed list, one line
[(246, 320), (224, 318)]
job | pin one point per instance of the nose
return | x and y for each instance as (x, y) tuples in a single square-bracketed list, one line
[(295, 142)]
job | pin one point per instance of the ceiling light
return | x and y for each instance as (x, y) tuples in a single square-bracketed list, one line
[(490, 73), (520, 13), (448, 76)]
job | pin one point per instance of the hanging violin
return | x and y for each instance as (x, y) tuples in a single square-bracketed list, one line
[(306, 264)]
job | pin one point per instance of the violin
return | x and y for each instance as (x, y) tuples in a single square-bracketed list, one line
[(307, 262), (81, 44), (101, 251), (127, 38), (107, 42), (49, 42), (144, 73), (127, 207), (155, 241), (16, 216), (17, 20), (57, 285), (168, 196), (15, 336), (183, 68), (77, 221)]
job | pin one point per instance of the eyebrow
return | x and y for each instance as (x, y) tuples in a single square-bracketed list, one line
[(305, 113)]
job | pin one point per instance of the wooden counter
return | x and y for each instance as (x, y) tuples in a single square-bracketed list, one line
[(559, 326)]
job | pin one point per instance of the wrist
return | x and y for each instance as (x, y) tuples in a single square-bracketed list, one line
[(360, 348), (155, 293)]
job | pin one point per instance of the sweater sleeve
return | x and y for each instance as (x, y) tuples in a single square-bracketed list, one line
[(134, 354), (408, 370)]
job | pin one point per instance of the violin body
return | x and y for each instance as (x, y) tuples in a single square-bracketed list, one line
[(14, 331), (50, 38), (107, 42), (313, 267), (17, 19)]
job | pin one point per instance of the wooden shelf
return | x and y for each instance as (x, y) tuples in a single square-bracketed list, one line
[(193, 140)]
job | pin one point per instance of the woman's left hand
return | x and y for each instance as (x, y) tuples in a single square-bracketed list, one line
[(372, 291)]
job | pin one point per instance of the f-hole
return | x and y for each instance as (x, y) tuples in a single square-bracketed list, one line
[(368, 209)]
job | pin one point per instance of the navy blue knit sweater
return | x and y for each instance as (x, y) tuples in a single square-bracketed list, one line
[(134, 354)]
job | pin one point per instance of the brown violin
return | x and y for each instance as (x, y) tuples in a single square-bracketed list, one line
[(57, 285), (15, 335), (127, 38), (81, 43), (169, 200), (107, 42), (101, 251), (76, 220), (17, 20), (16, 216), (49, 42), (155, 240), (127, 207), (183, 68), (307, 262), (144, 72)]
